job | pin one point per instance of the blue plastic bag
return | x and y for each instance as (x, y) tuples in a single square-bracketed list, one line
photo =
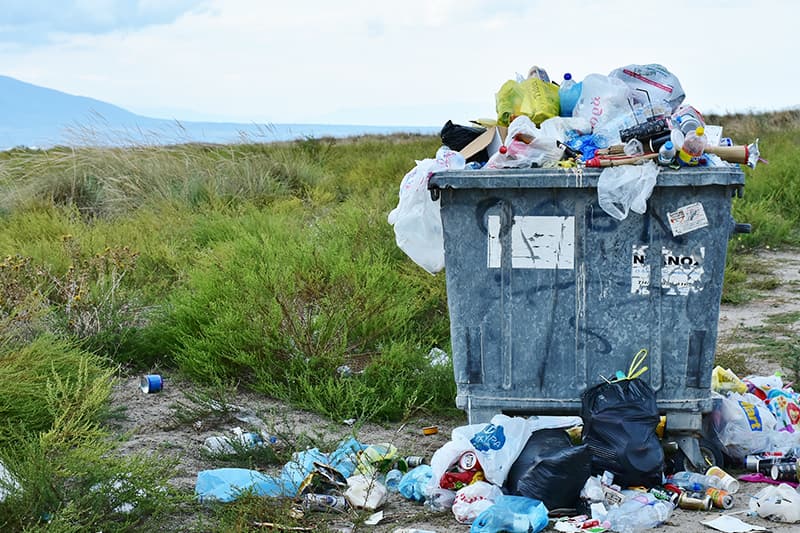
[(226, 484), (513, 514), (412, 485)]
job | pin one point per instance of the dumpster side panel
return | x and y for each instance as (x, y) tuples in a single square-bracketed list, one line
[(548, 294)]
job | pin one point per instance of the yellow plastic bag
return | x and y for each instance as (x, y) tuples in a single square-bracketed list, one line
[(532, 97), (724, 380)]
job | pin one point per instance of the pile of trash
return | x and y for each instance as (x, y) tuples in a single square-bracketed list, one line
[(629, 124), (606, 470)]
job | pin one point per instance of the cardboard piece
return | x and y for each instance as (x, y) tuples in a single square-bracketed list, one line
[(491, 139)]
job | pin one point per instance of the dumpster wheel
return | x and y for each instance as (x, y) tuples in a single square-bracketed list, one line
[(710, 451)]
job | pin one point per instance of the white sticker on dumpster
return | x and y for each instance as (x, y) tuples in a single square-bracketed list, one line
[(687, 218), (681, 273), (536, 242), (640, 270)]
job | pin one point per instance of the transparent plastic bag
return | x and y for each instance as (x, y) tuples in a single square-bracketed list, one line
[(626, 187), (416, 219), (604, 103), (651, 84), (743, 424), (780, 503), (525, 147)]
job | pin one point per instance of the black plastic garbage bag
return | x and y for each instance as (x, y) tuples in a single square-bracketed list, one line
[(456, 137), (619, 426), (550, 469)]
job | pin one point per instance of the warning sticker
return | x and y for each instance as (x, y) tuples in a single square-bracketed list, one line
[(687, 218), (681, 273), (640, 271), (536, 242)]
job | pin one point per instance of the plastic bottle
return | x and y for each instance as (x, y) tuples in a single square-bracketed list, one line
[(695, 482), (666, 154), (569, 92), (639, 513), (693, 146)]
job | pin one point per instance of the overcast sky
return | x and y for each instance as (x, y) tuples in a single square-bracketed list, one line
[(412, 62)]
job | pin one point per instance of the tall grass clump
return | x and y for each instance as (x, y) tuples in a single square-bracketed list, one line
[(771, 201), (62, 471), (298, 307)]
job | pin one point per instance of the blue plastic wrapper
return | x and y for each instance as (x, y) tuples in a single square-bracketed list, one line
[(345, 457), (226, 484), (412, 485), (513, 514)]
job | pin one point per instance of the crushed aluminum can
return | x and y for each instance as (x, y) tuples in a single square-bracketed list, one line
[(324, 502), (413, 461), (694, 501)]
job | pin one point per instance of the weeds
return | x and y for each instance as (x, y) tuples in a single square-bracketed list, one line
[(266, 267)]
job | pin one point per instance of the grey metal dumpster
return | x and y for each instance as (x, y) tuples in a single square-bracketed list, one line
[(547, 293)]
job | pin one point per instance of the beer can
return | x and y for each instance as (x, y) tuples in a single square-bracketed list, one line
[(698, 502), (664, 494), (784, 472), (468, 461), (726, 481), (413, 461), (721, 499), (762, 463), (324, 502)]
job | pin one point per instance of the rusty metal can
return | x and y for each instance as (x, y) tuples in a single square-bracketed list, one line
[(324, 502), (721, 499), (695, 501), (413, 461), (784, 472)]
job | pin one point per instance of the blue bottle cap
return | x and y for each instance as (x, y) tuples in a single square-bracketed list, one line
[(567, 76)]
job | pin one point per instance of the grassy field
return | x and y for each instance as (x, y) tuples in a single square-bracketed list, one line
[(268, 267)]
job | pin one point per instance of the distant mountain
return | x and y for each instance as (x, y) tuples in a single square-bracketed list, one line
[(31, 115)]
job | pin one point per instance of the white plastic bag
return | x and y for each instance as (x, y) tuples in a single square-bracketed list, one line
[(416, 219), (626, 187), (780, 503), (651, 84), (557, 127), (474, 499), (604, 103), (743, 424), (448, 454), (498, 444), (525, 146)]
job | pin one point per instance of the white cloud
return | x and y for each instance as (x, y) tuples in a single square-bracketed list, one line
[(393, 63)]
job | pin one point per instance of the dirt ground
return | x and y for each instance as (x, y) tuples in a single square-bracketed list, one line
[(149, 422)]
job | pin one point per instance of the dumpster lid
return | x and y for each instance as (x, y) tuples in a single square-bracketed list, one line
[(574, 178)]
